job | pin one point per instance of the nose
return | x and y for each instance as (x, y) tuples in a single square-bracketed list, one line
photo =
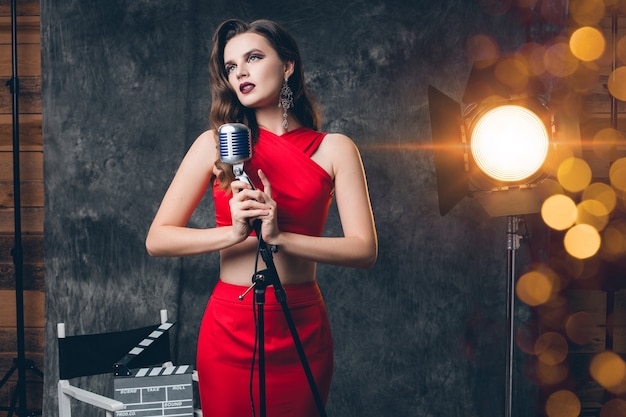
[(242, 71)]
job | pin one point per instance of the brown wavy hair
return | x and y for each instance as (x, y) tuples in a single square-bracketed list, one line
[(225, 106)]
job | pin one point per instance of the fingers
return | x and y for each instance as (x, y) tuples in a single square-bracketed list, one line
[(248, 202), (237, 185), (266, 183)]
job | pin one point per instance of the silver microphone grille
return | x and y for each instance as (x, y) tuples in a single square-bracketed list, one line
[(235, 143)]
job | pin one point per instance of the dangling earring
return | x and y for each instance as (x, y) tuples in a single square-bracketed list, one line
[(286, 102)]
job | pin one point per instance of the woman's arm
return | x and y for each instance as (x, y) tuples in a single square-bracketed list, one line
[(359, 245), (169, 234)]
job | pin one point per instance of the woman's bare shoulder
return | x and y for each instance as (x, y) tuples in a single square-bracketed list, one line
[(339, 143), (205, 143), (208, 136)]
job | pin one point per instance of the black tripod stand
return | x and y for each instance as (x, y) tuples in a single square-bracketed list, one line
[(260, 281), (21, 364)]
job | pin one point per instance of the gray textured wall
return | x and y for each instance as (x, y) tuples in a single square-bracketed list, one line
[(125, 92)]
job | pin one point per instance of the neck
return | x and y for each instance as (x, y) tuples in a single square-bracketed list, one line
[(274, 122)]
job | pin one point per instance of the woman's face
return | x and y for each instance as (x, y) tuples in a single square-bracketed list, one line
[(254, 70)]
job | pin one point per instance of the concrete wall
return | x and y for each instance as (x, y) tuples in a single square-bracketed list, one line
[(125, 92)]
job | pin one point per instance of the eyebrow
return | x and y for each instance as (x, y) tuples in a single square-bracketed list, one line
[(247, 55)]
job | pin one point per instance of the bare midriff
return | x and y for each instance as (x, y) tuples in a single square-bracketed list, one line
[(237, 265)]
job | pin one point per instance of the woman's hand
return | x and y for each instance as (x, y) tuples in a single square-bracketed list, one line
[(246, 206), (269, 226)]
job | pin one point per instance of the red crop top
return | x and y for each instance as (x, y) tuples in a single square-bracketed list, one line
[(302, 189)]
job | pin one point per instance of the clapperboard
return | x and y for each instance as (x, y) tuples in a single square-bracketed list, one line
[(155, 391)]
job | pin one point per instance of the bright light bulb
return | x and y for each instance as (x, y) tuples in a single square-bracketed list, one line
[(509, 143)]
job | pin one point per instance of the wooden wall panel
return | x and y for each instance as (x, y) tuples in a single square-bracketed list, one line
[(28, 60), (33, 308), (29, 98), (31, 219), (32, 247), (24, 8), (31, 166), (27, 30), (29, 132), (33, 273), (31, 193)]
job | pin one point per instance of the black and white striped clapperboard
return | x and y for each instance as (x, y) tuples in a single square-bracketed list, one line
[(156, 391)]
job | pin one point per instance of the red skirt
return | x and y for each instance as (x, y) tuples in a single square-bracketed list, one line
[(226, 348)]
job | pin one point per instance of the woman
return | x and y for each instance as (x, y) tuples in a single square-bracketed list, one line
[(256, 78)]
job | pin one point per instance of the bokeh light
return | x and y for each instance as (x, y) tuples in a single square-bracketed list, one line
[(534, 288), (602, 193), (593, 213), (574, 174), (551, 348), (617, 83), (608, 369), (482, 50), (563, 403), (580, 328), (585, 79), (604, 142), (559, 60), (614, 241), (525, 337), (617, 174), (587, 43), (570, 104), (621, 49), (582, 241), (613, 408), (559, 212), (587, 12), (533, 54), (550, 375), (513, 72), (553, 313), (590, 268)]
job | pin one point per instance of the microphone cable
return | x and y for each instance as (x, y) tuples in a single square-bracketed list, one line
[(256, 331)]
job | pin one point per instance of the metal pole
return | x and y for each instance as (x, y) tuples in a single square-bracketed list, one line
[(513, 242), (18, 257), (18, 398)]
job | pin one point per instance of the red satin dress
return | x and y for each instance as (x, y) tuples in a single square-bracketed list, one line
[(226, 342)]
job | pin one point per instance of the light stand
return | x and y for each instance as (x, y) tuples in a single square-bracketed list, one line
[(21, 364), (513, 244), (510, 182)]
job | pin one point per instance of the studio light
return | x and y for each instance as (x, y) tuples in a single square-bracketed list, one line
[(497, 152), (503, 150), (509, 144), (500, 152), (503, 146)]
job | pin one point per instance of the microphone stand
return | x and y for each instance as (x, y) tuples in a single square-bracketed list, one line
[(260, 281)]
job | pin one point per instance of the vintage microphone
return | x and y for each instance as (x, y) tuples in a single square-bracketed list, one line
[(235, 145)]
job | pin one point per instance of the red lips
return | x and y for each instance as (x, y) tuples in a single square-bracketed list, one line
[(246, 87)]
